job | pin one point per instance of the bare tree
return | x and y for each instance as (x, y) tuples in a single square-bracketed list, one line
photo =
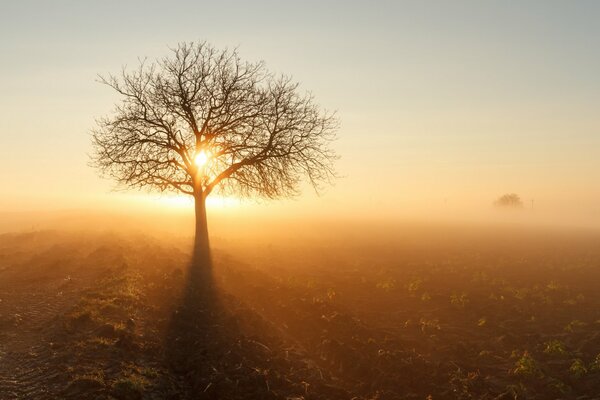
[(202, 120)]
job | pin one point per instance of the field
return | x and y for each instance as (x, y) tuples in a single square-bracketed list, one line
[(428, 313)]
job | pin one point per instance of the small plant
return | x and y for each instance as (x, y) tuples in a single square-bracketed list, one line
[(574, 325), (429, 324), (101, 341), (387, 284), (595, 365), (559, 386), (91, 381), (521, 294), (463, 382), (526, 366), (97, 375), (331, 294), (130, 387), (413, 286), (575, 300), (460, 300), (577, 368), (555, 347)]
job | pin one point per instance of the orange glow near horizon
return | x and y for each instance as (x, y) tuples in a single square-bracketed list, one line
[(184, 201)]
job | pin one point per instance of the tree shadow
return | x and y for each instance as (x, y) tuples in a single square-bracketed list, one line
[(194, 323), (204, 345), (219, 347)]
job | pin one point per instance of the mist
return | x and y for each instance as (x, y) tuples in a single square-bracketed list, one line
[(316, 200)]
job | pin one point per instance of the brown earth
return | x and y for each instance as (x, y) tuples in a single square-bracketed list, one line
[(106, 316)]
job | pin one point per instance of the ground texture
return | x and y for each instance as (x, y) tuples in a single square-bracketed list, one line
[(115, 317)]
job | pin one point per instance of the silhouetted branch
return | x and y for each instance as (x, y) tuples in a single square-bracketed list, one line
[(262, 134)]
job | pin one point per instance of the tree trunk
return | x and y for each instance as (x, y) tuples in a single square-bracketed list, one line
[(202, 258)]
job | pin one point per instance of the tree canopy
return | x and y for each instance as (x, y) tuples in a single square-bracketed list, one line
[(202, 120), (509, 200)]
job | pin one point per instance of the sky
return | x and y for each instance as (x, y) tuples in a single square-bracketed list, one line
[(444, 106)]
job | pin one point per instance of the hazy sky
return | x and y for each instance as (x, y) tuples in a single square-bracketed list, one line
[(444, 105)]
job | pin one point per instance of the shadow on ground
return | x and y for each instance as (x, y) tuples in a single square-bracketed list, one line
[(223, 349)]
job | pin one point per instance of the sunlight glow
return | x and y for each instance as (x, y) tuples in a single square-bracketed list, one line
[(187, 202), (201, 158)]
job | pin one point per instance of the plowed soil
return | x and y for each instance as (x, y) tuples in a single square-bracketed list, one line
[(108, 316)]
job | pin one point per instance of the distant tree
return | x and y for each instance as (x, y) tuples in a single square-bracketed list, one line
[(509, 200), (202, 120)]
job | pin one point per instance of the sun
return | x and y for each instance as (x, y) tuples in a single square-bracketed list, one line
[(201, 158)]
